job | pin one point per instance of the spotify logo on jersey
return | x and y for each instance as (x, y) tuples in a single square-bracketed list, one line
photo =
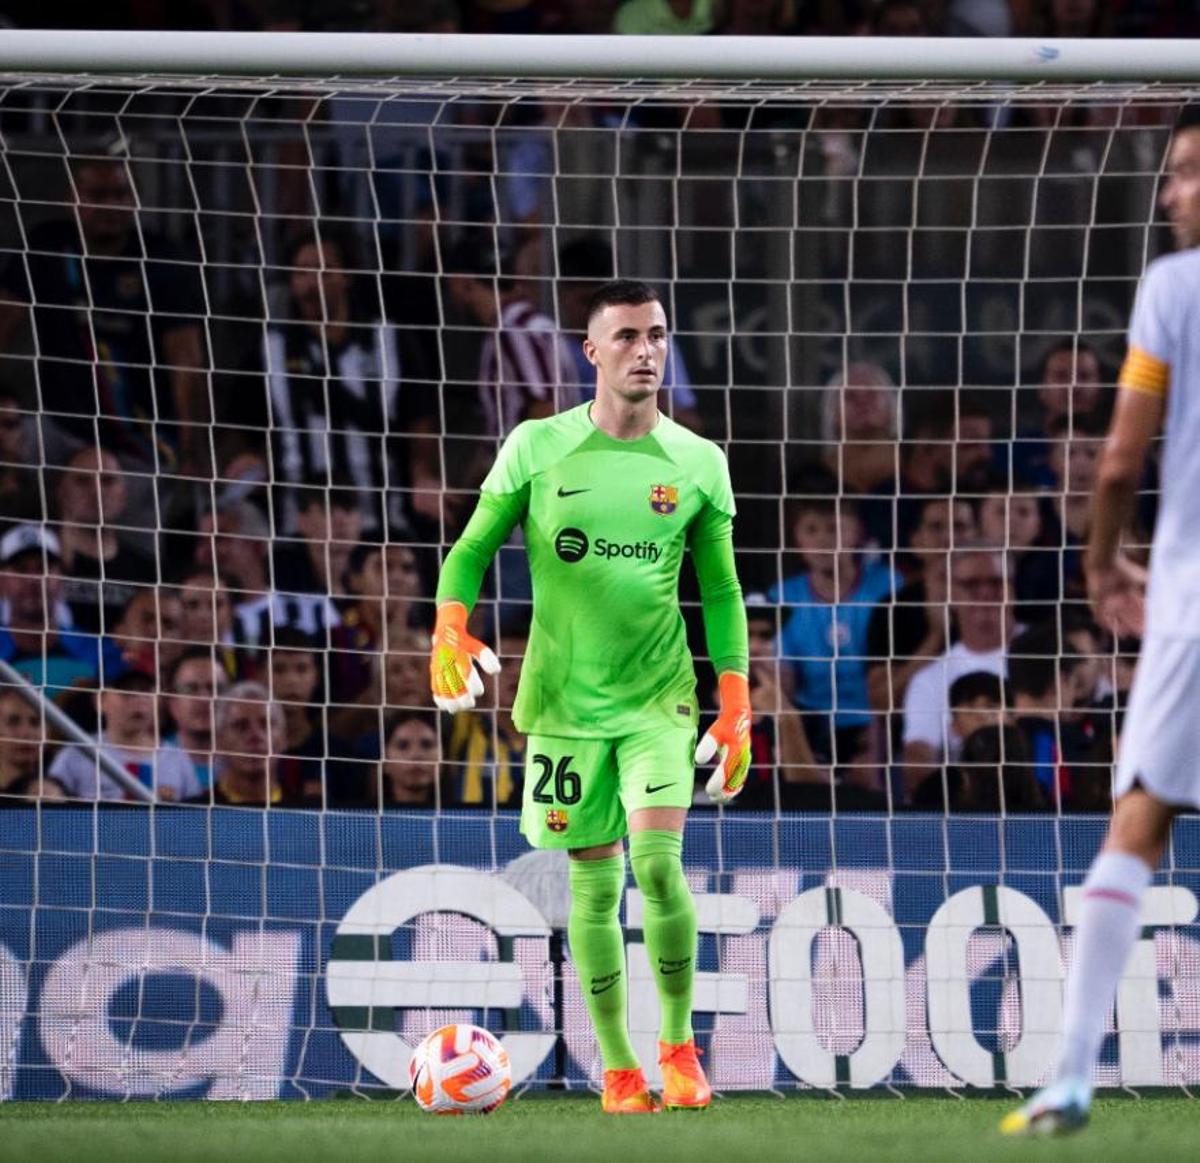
[(571, 544)]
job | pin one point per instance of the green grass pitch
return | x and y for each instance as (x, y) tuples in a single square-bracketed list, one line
[(753, 1127)]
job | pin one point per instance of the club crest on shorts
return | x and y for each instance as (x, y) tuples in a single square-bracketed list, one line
[(556, 819), (664, 499)]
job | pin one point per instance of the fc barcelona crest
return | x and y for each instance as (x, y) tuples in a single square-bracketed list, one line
[(556, 820), (664, 499)]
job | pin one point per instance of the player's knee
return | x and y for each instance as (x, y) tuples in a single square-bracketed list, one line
[(658, 875), (597, 897)]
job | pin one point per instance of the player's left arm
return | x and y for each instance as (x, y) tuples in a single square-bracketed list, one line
[(1116, 585), (711, 543)]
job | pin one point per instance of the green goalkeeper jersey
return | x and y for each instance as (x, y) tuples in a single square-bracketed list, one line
[(606, 524)]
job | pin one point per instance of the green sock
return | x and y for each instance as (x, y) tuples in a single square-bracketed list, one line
[(669, 925), (598, 950)]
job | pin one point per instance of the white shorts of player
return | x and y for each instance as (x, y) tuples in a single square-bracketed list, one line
[(1160, 740)]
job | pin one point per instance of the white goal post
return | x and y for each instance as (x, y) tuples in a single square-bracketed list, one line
[(240, 302)]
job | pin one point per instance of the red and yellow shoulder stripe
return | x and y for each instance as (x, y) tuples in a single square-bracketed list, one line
[(1143, 372)]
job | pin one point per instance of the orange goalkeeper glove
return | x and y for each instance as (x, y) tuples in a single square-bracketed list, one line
[(452, 675), (728, 739)]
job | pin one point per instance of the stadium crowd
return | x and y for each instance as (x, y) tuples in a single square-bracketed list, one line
[(223, 495), (1073, 18)]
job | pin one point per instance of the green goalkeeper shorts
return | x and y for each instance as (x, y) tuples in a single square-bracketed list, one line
[(579, 793)]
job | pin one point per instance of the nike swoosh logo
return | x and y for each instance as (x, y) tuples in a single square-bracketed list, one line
[(571, 492), (606, 986), (668, 972), (652, 788)]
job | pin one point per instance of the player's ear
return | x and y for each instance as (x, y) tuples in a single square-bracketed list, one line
[(589, 349)]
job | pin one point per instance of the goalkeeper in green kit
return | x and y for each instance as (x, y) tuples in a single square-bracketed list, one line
[(609, 496)]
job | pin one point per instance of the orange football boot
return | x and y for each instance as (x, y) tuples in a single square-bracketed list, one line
[(684, 1086), (625, 1093)]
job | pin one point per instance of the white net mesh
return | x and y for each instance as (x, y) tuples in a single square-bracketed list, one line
[(259, 342)]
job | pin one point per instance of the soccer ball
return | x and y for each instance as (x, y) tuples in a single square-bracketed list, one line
[(460, 1070)]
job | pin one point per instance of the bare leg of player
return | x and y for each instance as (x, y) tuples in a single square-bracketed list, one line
[(1108, 927)]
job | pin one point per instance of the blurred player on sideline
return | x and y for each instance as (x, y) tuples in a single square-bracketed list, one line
[(1157, 773), (609, 495)]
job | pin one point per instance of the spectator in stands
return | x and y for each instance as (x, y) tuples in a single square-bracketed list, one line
[(583, 265), (784, 773), (100, 567), (20, 474), (130, 738), (893, 508), (1077, 18), (149, 630), (31, 586), (311, 758), (1012, 521), (975, 433), (206, 619), (329, 523), (371, 620), (1069, 387), (486, 753), (1070, 765), (21, 741), (249, 731), (758, 18), (1074, 455), (898, 18), (140, 352), (237, 539), (666, 17), (993, 774), (978, 587), (399, 680), (858, 425), (333, 374), (580, 17), (193, 682), (526, 369), (914, 625), (408, 772), (828, 608), (978, 699)]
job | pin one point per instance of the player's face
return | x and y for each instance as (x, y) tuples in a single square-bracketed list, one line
[(197, 683), (294, 676), (20, 734), (318, 282), (628, 347), (410, 758), (128, 714), (1180, 196), (105, 202)]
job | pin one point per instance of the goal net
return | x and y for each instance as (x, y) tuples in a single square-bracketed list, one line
[(260, 339)]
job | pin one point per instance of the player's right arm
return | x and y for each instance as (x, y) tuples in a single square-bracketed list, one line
[(1116, 586), (452, 678), (503, 502)]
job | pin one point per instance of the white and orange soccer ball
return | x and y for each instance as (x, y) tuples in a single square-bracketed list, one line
[(460, 1070)]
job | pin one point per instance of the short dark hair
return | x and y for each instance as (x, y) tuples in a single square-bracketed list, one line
[(1036, 657), (621, 293), (288, 639), (977, 684), (321, 238), (1065, 343), (191, 654), (994, 765)]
